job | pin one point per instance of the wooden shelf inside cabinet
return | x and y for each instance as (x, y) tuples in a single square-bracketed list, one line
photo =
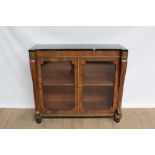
[(58, 97), (99, 84), (57, 73), (58, 94), (79, 80), (96, 105), (58, 84), (58, 106), (99, 96), (98, 73)]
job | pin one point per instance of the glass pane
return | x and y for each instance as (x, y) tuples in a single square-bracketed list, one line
[(98, 85), (58, 85)]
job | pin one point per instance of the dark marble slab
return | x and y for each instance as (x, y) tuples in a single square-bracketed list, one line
[(50, 47)]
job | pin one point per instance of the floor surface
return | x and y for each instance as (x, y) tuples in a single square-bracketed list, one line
[(24, 118)]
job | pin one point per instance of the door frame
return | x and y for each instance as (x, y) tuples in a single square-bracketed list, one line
[(40, 61), (81, 62)]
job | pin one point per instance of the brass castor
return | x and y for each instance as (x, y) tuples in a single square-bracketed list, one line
[(117, 117), (38, 117)]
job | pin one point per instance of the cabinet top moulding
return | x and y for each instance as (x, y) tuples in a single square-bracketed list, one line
[(77, 47)]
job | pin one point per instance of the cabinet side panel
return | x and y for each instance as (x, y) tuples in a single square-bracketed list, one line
[(123, 67), (116, 85), (33, 67)]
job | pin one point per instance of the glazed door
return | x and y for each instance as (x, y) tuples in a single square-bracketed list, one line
[(98, 85), (58, 82)]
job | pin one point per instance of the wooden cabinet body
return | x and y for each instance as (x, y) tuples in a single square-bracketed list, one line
[(78, 80)]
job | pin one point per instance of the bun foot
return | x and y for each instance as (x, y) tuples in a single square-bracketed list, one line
[(38, 120), (38, 117), (117, 117), (117, 120)]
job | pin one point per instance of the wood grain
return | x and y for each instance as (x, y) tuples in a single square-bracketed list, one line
[(78, 73), (23, 118)]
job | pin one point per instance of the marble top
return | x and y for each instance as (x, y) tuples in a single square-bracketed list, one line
[(50, 47)]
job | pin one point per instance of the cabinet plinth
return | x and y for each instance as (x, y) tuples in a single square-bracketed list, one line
[(78, 80)]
